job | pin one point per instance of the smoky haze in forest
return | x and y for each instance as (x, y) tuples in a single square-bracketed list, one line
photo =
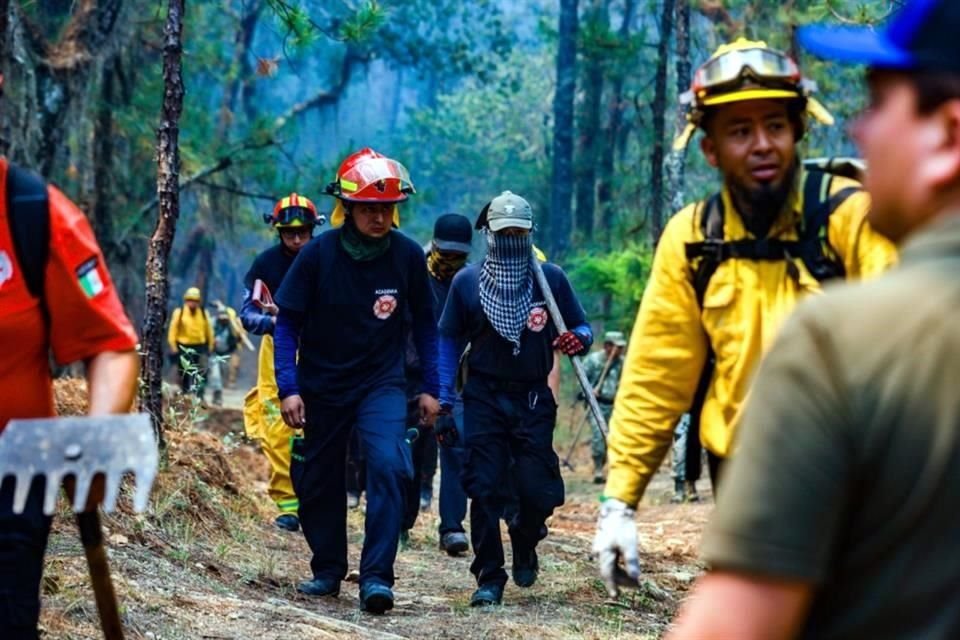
[(464, 93)]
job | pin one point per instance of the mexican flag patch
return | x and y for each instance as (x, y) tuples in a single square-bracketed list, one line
[(89, 278)]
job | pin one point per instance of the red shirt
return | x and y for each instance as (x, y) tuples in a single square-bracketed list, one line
[(85, 315)]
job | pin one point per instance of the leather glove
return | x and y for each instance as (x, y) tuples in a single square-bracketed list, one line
[(569, 343), (617, 538), (446, 431)]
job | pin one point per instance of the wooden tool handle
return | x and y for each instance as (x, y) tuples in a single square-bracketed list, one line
[(91, 535)]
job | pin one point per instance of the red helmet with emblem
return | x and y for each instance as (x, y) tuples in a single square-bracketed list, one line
[(368, 176), (293, 210)]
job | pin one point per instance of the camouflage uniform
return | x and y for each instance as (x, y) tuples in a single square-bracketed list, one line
[(593, 366)]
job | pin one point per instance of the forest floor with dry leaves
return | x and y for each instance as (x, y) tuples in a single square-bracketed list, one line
[(206, 561)]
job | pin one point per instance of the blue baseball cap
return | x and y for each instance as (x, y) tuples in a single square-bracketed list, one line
[(922, 36)]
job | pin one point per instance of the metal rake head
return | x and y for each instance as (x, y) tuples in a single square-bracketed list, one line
[(81, 448)]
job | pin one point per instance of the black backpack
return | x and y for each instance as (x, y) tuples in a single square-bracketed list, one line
[(812, 247), (28, 212)]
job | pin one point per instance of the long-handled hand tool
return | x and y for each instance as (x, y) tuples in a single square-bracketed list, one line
[(562, 328), (583, 421), (80, 450)]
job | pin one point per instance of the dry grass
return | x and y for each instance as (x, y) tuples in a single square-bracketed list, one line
[(206, 562)]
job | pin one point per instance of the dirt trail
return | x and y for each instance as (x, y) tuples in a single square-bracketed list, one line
[(207, 563)]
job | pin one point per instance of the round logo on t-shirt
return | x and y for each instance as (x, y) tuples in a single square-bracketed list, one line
[(384, 307), (537, 319)]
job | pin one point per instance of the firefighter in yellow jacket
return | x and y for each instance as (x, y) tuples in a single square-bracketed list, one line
[(727, 272), (190, 338), (295, 218)]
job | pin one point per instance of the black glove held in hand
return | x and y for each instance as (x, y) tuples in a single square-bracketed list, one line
[(446, 430)]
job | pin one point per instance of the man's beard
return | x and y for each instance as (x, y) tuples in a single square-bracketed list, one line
[(759, 207)]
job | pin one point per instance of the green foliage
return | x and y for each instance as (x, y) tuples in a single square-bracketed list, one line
[(484, 138), (364, 23), (611, 284)]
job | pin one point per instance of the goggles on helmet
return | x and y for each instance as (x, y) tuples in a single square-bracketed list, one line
[(294, 216), (766, 66)]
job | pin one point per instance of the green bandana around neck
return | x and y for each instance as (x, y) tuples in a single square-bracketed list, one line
[(360, 247)]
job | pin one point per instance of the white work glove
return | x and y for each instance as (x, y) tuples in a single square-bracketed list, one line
[(617, 538)]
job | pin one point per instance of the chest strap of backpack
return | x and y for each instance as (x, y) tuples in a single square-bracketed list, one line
[(29, 220), (705, 257)]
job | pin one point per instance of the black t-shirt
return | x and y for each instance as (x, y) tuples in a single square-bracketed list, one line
[(492, 355), (353, 334), (270, 266)]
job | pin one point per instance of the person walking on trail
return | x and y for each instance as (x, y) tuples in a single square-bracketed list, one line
[(57, 297), (344, 302), (726, 274), (447, 256), (684, 483), (842, 521), (606, 364), (226, 343), (190, 338), (295, 218), (509, 412), (232, 365)]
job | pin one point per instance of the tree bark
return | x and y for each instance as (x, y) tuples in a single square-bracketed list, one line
[(659, 108), (168, 194), (612, 134), (562, 179), (588, 131), (676, 160)]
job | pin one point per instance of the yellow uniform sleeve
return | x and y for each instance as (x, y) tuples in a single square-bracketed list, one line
[(172, 331), (865, 252), (660, 372)]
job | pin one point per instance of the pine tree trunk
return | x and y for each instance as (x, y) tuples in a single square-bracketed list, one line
[(611, 136), (659, 122), (168, 193), (676, 161), (588, 131), (562, 181)]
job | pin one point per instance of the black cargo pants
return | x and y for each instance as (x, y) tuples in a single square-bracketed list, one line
[(506, 423), (23, 540)]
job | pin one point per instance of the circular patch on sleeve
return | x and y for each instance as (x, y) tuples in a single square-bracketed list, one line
[(537, 319), (384, 307)]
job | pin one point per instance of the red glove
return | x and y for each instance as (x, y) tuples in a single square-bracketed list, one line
[(568, 343)]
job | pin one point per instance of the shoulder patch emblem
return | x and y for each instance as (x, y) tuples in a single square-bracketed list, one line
[(6, 267), (537, 319), (384, 307)]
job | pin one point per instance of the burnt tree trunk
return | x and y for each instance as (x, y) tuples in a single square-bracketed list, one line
[(561, 192), (675, 163), (659, 109), (168, 194)]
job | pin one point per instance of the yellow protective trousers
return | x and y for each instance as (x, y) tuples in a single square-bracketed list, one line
[(262, 421)]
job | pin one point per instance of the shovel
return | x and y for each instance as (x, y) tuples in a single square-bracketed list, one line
[(80, 449)]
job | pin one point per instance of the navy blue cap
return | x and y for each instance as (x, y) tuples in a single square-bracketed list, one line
[(453, 232), (922, 36)]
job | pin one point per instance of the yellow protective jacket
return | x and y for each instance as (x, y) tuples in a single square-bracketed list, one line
[(190, 328), (744, 306)]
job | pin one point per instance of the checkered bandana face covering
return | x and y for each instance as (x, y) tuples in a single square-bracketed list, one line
[(506, 285)]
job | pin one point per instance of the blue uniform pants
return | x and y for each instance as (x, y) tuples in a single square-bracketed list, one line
[(23, 540), (453, 499), (318, 474), (504, 426)]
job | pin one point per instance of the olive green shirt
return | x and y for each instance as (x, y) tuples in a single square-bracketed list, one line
[(847, 471)]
